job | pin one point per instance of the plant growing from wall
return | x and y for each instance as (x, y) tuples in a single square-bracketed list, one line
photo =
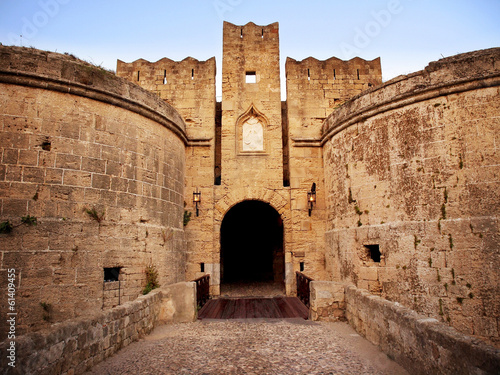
[(94, 214), (7, 227), (151, 279), (187, 217), (29, 220)]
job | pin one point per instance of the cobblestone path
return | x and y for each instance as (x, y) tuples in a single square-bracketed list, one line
[(250, 347)]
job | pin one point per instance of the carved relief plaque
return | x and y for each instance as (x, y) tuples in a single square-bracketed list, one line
[(253, 135)]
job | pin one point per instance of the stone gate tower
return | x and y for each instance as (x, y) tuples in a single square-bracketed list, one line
[(253, 157), (251, 108)]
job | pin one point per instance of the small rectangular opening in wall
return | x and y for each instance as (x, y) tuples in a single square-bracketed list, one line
[(374, 252), (302, 266), (241, 33), (138, 75), (202, 267), (112, 274), (262, 33), (164, 77), (308, 74), (358, 73), (192, 73), (251, 77), (334, 74)]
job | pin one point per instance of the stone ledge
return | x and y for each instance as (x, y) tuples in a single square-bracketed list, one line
[(420, 344)]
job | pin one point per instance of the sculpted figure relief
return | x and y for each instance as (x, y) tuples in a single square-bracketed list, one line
[(253, 135)]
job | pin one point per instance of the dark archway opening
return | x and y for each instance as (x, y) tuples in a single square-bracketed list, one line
[(252, 244)]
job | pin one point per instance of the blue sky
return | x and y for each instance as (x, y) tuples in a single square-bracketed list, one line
[(406, 34)]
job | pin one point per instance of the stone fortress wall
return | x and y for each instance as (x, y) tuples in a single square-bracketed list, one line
[(74, 137), (406, 175), (412, 170), (314, 89)]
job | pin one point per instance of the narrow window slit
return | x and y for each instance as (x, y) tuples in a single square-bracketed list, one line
[(302, 266), (202, 267), (308, 74), (334, 74), (165, 77), (358, 73), (241, 33), (138, 75), (192, 73), (262, 33)]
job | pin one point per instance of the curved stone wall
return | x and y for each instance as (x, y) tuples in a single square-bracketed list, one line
[(100, 163), (413, 167)]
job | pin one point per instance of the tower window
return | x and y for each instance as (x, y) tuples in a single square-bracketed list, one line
[(192, 73), (251, 77), (373, 252), (241, 33), (138, 75), (111, 274), (308, 74), (202, 267), (164, 77), (262, 33), (358, 73), (334, 74)]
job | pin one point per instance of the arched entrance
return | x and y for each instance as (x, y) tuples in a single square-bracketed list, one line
[(252, 245)]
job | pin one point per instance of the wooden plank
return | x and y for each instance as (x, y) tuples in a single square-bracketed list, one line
[(206, 311), (300, 310), (221, 307), (279, 313), (287, 311), (240, 309), (248, 308), (228, 312)]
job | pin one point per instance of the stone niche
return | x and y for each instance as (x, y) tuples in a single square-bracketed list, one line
[(251, 130)]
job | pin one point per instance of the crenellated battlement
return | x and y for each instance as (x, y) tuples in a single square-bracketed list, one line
[(250, 32), (188, 85), (335, 70)]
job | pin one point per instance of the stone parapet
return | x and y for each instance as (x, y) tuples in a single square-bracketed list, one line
[(327, 301), (74, 346), (420, 344)]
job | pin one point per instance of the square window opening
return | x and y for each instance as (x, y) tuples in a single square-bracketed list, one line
[(112, 274), (374, 252), (251, 77)]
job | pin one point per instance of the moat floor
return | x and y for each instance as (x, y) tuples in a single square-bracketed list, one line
[(252, 346)]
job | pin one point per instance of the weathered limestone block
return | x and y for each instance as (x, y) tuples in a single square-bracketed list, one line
[(327, 301), (178, 304)]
